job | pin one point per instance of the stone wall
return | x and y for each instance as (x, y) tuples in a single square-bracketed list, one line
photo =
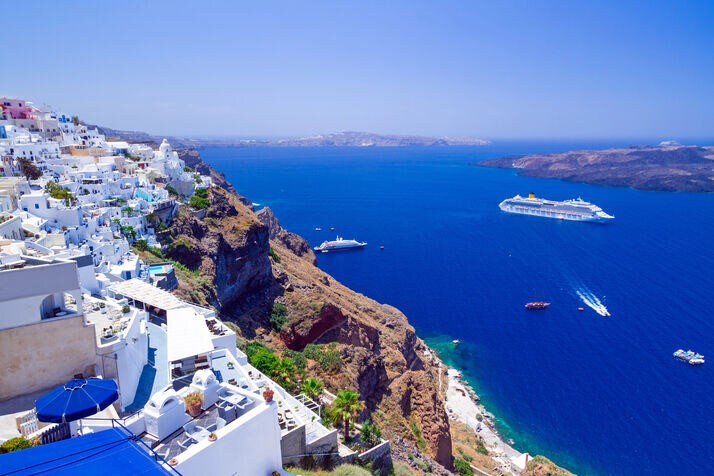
[(46, 354), (380, 456)]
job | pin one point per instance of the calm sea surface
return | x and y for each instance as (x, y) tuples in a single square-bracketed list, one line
[(597, 394)]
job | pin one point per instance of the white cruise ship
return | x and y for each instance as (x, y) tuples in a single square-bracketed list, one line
[(339, 244), (576, 209)]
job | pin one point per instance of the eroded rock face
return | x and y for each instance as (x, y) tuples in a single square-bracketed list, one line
[(229, 246), (291, 241)]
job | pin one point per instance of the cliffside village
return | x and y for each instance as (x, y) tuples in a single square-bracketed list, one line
[(78, 305)]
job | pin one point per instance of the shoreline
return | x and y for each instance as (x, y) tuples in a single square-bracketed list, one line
[(463, 404)]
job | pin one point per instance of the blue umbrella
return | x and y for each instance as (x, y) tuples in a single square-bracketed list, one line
[(76, 399)]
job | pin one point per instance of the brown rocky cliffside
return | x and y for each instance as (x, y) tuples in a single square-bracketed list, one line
[(227, 249)]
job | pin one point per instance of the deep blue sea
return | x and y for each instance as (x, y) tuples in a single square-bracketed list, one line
[(597, 394)]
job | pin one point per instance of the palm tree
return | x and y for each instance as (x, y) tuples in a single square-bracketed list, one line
[(312, 388), (347, 406), (284, 373)]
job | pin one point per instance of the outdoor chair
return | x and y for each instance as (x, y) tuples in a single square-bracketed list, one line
[(224, 392), (185, 443), (220, 423), (226, 411), (192, 427)]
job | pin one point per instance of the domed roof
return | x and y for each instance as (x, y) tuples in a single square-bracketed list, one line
[(165, 146)]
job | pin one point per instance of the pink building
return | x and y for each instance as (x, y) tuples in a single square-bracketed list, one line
[(15, 109)]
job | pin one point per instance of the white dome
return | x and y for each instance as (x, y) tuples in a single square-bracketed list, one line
[(165, 147)]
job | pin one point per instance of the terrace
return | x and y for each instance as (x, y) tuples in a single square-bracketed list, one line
[(110, 322)]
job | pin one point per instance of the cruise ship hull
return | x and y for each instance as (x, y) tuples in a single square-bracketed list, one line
[(340, 244), (542, 208), (554, 214)]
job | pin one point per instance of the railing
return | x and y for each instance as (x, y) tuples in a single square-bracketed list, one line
[(55, 433)]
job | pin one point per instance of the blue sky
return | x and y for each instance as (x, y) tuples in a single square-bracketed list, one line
[(501, 69)]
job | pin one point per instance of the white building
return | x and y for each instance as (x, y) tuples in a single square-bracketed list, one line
[(44, 337)]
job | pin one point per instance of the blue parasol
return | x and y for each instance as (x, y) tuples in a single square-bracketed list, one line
[(76, 399)]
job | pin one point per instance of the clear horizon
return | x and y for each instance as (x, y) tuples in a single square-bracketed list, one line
[(491, 71)]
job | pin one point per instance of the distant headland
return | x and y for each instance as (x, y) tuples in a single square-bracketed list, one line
[(335, 139), (668, 167)]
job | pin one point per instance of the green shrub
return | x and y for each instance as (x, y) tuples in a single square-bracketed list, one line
[(424, 466), (468, 458), (328, 357), (462, 467), (56, 191), (187, 169), (201, 192), (172, 191), (401, 469), (278, 316), (265, 361), (15, 444), (273, 254), (297, 357), (421, 444), (481, 448), (141, 245), (371, 435), (198, 203), (128, 231), (125, 309), (253, 347)]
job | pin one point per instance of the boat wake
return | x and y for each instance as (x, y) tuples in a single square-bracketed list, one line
[(592, 301), (586, 295)]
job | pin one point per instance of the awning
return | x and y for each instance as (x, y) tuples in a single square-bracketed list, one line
[(139, 290), (112, 451), (187, 334)]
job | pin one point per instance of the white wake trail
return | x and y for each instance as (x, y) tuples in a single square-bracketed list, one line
[(592, 301)]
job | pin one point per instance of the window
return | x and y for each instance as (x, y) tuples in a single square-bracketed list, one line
[(37, 205)]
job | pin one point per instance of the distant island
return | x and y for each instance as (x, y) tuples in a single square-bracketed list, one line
[(667, 167), (335, 139)]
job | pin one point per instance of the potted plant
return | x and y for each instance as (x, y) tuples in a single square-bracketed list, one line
[(193, 402), (268, 394)]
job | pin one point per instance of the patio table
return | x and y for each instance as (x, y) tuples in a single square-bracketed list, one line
[(200, 435), (235, 399)]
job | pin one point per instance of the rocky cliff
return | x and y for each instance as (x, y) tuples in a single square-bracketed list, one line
[(241, 263)]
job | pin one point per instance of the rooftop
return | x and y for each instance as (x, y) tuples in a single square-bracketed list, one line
[(145, 293)]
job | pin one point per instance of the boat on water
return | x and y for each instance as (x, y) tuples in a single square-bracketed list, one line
[(456, 341), (339, 244), (689, 356), (317, 228), (537, 305), (575, 210)]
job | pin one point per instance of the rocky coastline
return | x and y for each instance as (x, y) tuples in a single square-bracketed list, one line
[(667, 168)]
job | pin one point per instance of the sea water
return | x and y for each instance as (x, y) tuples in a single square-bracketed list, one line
[(597, 391)]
